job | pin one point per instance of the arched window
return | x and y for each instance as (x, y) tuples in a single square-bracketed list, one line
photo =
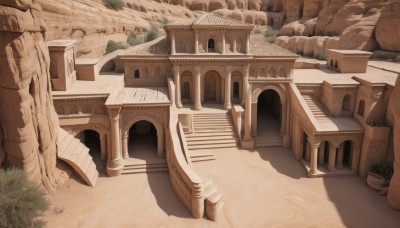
[(346, 103), (136, 74), (211, 44), (361, 107), (236, 90)]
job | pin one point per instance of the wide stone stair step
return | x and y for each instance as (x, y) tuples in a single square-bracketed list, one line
[(213, 146), (76, 154), (145, 168), (198, 156)]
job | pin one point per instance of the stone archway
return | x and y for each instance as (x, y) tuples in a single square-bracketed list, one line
[(212, 86), (142, 140), (159, 134), (268, 118), (94, 141)]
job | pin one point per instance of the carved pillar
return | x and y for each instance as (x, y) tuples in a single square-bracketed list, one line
[(115, 163), (173, 49), (160, 145), (234, 45), (247, 139), (227, 104), (339, 161), (321, 153), (248, 43), (254, 119), (356, 150), (196, 42), (245, 84), (197, 89), (286, 137), (332, 158), (177, 80), (223, 42), (283, 118), (125, 152), (103, 147), (314, 158)]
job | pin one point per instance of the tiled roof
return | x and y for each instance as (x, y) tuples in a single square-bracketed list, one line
[(157, 47), (212, 19), (260, 47)]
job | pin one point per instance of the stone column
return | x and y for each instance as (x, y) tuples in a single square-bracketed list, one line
[(339, 161), (223, 42), (248, 43), (247, 139), (286, 137), (314, 158), (254, 119), (197, 88), (321, 153), (173, 49), (245, 84), (234, 45), (103, 146), (115, 163), (196, 42), (227, 104), (283, 118), (125, 152), (177, 80), (160, 145), (356, 150), (332, 158)]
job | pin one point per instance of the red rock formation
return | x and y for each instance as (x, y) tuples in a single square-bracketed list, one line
[(29, 121), (394, 188), (388, 27)]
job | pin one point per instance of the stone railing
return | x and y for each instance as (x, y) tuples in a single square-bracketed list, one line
[(187, 185), (237, 115), (184, 147)]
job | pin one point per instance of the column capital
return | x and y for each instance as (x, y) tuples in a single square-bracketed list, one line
[(113, 112), (313, 142)]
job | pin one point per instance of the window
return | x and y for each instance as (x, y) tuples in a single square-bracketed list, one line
[(361, 107), (211, 44), (136, 74)]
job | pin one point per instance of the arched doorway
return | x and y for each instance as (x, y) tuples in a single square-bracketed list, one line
[(142, 143), (212, 83), (344, 155), (269, 111), (91, 139)]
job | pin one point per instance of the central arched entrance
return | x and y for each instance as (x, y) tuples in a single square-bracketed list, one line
[(269, 112), (212, 85), (142, 143)]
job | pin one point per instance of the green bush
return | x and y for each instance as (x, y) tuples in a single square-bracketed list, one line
[(135, 39), (384, 169), (21, 201), (115, 4), (113, 46), (271, 34), (165, 21), (82, 52), (153, 33)]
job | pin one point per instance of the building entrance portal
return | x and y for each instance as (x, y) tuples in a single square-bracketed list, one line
[(142, 142), (211, 86), (269, 119), (91, 139)]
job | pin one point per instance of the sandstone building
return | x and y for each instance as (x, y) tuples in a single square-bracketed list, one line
[(210, 83)]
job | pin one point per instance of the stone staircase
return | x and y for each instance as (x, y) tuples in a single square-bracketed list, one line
[(213, 199), (144, 168), (319, 111), (210, 131), (76, 154)]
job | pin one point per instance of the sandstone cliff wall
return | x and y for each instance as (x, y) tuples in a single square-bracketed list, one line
[(394, 110), (29, 123)]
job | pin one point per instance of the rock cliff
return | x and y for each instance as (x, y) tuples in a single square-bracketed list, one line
[(29, 123), (394, 110)]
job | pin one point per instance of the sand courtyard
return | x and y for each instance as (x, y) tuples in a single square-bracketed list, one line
[(262, 187)]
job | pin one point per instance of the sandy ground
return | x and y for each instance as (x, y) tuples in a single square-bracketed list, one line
[(263, 187)]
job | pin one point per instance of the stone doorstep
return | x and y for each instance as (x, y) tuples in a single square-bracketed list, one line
[(322, 171)]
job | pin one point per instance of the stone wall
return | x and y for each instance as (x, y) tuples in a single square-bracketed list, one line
[(29, 121), (394, 109)]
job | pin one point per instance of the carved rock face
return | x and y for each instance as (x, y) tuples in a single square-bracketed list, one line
[(29, 122), (388, 27), (394, 188)]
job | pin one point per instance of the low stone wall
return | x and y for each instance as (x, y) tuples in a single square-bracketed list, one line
[(187, 185), (237, 114)]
